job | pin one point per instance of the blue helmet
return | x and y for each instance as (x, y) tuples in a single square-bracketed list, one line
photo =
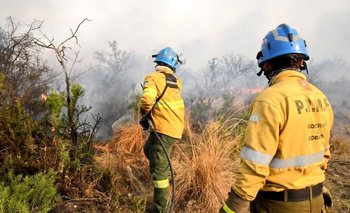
[(167, 56), (281, 41)]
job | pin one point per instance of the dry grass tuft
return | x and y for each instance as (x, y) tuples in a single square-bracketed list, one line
[(123, 158), (128, 138), (204, 163), (205, 169)]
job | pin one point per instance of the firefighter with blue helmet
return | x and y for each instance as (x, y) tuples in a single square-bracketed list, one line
[(162, 105), (286, 146), (168, 57)]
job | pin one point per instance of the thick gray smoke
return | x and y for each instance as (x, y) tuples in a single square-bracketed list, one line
[(112, 85), (202, 34), (332, 77)]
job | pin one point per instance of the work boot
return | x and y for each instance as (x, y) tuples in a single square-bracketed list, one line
[(151, 210)]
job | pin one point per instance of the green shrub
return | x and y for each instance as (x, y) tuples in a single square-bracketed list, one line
[(28, 194), (54, 104), (2, 79), (17, 143)]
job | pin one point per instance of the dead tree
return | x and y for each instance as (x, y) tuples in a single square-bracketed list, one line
[(26, 75), (60, 51), (232, 66)]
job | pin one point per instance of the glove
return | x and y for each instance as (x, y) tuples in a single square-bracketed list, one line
[(327, 197), (235, 204), (144, 122)]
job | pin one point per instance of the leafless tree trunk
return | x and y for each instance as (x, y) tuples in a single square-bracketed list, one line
[(60, 52)]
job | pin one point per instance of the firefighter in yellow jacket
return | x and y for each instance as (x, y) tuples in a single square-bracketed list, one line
[(286, 146), (161, 103)]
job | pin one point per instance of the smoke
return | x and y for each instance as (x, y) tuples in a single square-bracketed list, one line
[(229, 72), (213, 31), (331, 76), (111, 84)]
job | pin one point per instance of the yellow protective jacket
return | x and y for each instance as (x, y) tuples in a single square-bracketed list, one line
[(287, 139), (168, 113)]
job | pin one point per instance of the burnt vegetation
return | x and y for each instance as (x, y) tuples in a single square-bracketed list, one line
[(58, 154)]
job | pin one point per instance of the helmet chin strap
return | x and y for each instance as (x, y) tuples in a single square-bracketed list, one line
[(260, 72), (269, 75), (178, 59)]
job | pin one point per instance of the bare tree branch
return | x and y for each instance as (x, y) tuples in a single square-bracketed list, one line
[(27, 75), (74, 33), (60, 52), (74, 62)]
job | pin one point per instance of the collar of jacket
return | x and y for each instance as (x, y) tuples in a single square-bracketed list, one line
[(164, 69), (287, 74)]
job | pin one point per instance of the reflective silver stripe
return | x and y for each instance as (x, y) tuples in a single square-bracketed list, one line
[(171, 83), (303, 160), (268, 160), (284, 38), (255, 156)]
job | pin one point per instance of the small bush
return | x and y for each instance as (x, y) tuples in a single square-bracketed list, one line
[(28, 194)]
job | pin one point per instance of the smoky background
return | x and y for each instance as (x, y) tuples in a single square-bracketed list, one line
[(113, 84)]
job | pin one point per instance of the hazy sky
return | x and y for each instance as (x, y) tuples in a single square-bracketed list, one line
[(200, 29)]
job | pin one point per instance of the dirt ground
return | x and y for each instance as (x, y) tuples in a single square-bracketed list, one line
[(338, 182), (338, 171)]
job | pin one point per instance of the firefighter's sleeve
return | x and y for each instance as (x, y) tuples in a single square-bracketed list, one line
[(260, 145), (149, 95), (235, 204), (326, 156)]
